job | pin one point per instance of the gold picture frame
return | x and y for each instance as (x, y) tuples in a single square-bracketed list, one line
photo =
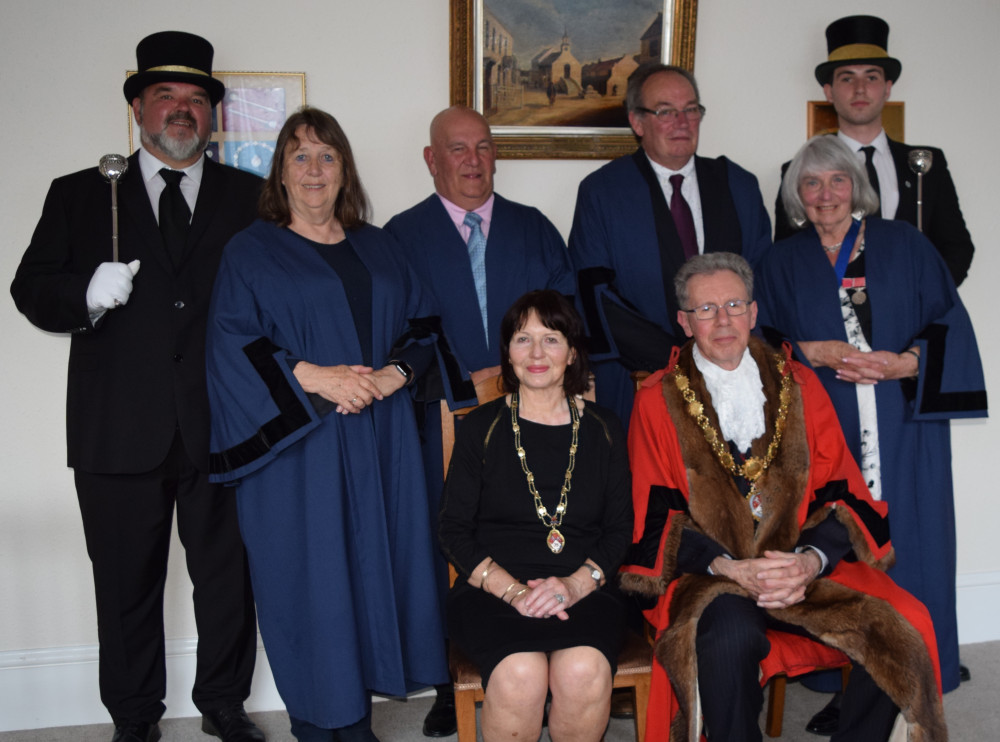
[(822, 119), (246, 122), (678, 21)]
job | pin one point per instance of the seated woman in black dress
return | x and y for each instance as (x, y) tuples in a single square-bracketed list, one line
[(536, 517)]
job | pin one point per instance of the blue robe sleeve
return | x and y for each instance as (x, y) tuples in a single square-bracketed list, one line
[(611, 321), (258, 407), (950, 381)]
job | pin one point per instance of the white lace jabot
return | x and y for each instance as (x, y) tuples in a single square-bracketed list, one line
[(737, 396)]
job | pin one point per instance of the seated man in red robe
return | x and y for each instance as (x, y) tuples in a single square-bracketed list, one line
[(750, 515)]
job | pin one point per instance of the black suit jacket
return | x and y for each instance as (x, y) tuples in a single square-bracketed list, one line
[(139, 375), (943, 225)]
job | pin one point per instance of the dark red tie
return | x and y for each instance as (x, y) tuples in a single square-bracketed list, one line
[(683, 220)]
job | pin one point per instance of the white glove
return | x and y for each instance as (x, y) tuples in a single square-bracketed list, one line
[(110, 286)]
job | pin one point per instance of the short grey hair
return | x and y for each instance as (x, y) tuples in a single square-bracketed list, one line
[(633, 93), (821, 154), (711, 262)]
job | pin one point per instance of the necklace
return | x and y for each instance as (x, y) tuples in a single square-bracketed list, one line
[(555, 540), (753, 467), (833, 248)]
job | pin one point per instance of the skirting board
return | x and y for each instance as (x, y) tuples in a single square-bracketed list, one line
[(57, 687)]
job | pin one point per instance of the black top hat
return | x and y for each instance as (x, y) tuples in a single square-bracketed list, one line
[(858, 39), (174, 56)]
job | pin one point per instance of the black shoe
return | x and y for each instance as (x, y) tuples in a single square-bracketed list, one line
[(827, 718), (440, 720), (964, 675), (231, 724), (136, 731)]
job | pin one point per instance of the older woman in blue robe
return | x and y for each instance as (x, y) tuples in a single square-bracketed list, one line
[(314, 331), (870, 305)]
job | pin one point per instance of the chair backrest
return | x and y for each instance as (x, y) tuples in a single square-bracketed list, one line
[(486, 391)]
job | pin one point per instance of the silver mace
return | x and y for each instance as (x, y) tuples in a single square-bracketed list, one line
[(112, 167), (920, 162)]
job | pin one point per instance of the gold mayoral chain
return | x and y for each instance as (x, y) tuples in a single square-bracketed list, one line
[(555, 540), (753, 467)]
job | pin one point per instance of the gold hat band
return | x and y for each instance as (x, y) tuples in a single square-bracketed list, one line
[(857, 51), (178, 68)]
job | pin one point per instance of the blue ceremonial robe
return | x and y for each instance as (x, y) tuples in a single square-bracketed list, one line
[(524, 252), (332, 508), (625, 250), (913, 303)]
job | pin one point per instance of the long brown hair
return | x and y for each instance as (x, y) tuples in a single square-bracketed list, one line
[(351, 208)]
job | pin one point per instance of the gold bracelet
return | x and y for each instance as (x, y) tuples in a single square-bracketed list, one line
[(518, 594), (509, 588), (485, 574)]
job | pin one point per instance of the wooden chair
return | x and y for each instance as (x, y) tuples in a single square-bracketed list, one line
[(635, 663)]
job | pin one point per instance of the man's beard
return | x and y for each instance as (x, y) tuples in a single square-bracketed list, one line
[(175, 148)]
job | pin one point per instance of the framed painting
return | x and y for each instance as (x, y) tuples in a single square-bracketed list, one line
[(550, 75), (246, 122), (822, 119)]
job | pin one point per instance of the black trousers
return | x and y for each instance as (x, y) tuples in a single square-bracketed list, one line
[(127, 520), (731, 644)]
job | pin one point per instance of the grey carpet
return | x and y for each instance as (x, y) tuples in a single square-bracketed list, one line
[(972, 711)]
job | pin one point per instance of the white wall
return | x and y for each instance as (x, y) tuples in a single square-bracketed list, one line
[(381, 66)]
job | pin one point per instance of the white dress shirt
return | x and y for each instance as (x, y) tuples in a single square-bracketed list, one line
[(689, 189)]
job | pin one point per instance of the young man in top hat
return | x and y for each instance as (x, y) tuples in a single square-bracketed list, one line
[(857, 79), (137, 408)]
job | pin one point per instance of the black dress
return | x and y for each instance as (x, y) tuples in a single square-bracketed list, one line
[(487, 510)]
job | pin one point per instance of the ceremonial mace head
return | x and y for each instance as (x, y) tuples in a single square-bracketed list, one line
[(920, 161), (113, 167)]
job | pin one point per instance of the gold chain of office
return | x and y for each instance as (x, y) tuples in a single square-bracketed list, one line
[(753, 467), (555, 540)]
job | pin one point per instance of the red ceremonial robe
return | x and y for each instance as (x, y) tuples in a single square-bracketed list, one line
[(678, 483)]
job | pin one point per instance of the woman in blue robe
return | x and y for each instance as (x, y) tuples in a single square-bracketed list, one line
[(870, 305), (313, 333)]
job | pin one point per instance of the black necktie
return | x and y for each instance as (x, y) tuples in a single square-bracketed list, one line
[(175, 216), (870, 167)]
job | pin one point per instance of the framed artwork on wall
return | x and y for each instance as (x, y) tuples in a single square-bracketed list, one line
[(822, 119), (550, 76), (246, 122)]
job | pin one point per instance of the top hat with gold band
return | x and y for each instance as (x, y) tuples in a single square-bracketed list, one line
[(174, 56), (858, 39)]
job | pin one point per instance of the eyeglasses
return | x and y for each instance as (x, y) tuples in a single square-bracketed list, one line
[(691, 113), (734, 308)]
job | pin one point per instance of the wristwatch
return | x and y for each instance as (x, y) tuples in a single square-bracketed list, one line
[(595, 574), (404, 368)]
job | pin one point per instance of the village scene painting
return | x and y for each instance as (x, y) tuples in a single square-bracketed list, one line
[(565, 62)]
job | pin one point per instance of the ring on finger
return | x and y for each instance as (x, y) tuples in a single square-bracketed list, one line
[(560, 598)]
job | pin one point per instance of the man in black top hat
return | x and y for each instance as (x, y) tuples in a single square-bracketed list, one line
[(137, 407), (857, 79)]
